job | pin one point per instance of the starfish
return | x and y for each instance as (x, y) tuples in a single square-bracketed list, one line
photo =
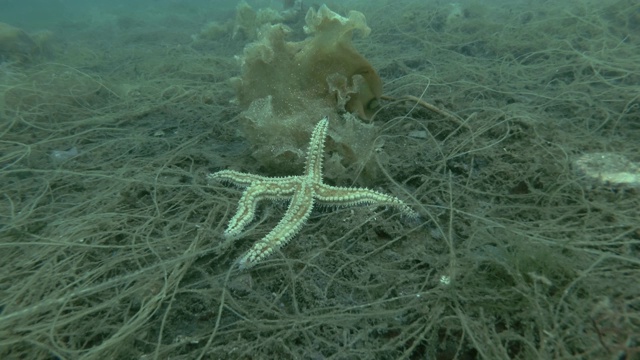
[(302, 191)]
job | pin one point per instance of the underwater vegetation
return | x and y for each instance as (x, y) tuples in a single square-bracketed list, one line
[(18, 46), (285, 87), (512, 130)]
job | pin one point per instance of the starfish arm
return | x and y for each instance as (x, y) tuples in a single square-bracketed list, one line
[(296, 215), (315, 154), (341, 196), (249, 202), (237, 178)]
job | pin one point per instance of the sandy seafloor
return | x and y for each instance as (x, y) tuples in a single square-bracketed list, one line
[(112, 115)]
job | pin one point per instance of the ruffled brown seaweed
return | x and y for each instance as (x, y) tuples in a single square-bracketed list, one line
[(286, 87)]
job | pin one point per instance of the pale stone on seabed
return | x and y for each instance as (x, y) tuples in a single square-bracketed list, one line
[(609, 169)]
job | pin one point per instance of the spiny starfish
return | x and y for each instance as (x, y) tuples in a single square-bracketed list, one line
[(302, 190)]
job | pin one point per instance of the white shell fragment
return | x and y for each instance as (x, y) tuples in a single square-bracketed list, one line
[(609, 168), (59, 156)]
